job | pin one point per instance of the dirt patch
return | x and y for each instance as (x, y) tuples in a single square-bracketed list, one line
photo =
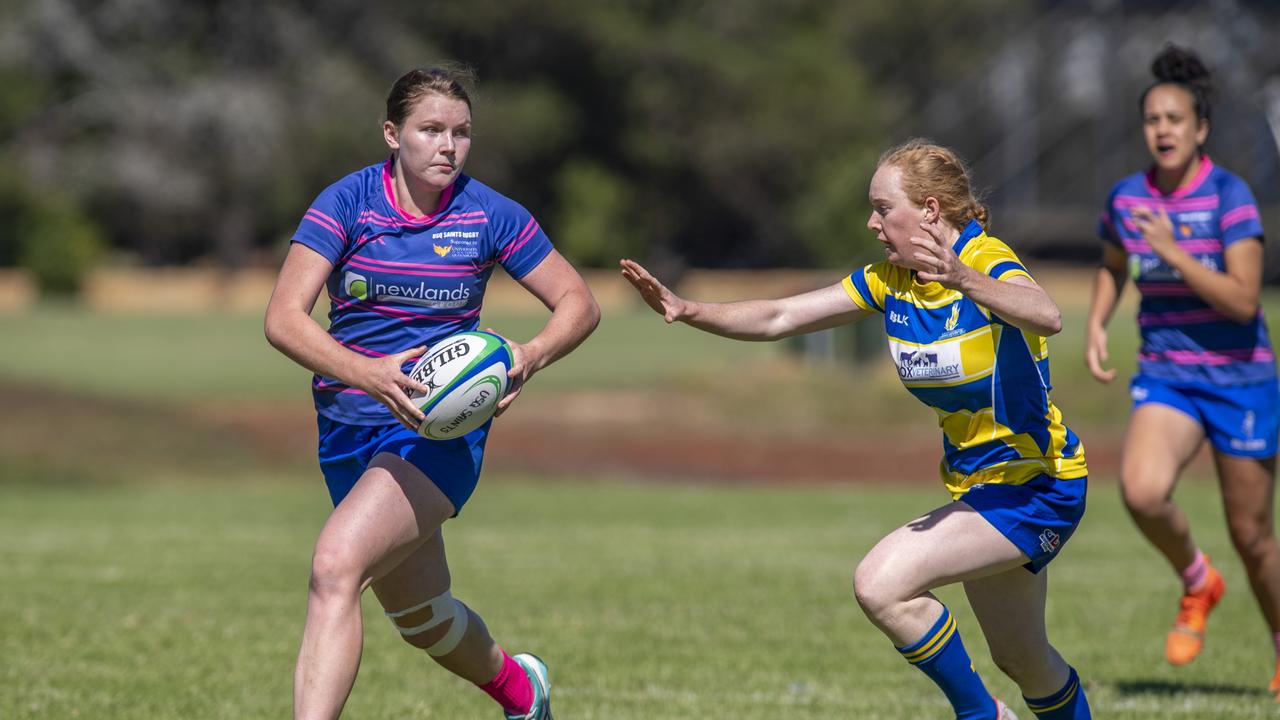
[(640, 435)]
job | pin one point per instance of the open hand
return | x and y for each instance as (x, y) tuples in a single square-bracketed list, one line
[(664, 302), (386, 383), (935, 259), (1156, 229), (1095, 354), (520, 372)]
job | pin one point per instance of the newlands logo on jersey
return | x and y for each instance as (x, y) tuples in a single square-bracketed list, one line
[(356, 286), (423, 295)]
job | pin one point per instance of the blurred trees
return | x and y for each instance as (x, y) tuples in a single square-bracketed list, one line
[(717, 134)]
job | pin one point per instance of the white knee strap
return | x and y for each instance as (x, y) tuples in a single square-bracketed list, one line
[(443, 609)]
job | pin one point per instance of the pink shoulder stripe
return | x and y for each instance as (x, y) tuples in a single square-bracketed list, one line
[(1241, 214), (528, 232), (325, 222)]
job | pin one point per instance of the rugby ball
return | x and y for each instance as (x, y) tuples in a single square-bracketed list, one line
[(466, 375)]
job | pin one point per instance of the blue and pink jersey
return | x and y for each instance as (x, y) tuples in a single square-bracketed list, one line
[(1183, 338), (401, 281)]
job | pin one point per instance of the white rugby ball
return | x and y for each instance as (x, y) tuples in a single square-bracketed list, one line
[(466, 376)]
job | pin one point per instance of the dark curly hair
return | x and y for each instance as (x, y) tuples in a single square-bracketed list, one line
[(1182, 67)]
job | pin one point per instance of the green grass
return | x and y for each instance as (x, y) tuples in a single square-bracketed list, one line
[(168, 581), (186, 601)]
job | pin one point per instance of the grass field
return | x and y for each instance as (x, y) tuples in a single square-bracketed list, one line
[(185, 600), (154, 565)]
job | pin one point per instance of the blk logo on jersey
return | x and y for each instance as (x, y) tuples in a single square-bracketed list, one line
[(898, 318)]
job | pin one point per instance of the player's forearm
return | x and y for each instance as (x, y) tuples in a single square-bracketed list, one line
[(1108, 284), (299, 338), (1221, 291), (1026, 307), (574, 317), (754, 320)]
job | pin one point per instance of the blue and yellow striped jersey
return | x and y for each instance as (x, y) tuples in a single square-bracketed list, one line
[(987, 380)]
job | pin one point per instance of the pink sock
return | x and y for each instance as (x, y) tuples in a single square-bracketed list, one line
[(511, 688), (1194, 575)]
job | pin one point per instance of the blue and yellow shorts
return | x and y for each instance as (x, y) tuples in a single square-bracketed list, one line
[(1038, 516)]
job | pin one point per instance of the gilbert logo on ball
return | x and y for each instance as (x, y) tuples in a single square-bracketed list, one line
[(465, 375)]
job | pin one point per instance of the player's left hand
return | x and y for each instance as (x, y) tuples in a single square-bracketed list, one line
[(935, 259), (1157, 230), (520, 372)]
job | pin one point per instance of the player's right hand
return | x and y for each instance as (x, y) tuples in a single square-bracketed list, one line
[(385, 382), (1095, 354), (670, 306)]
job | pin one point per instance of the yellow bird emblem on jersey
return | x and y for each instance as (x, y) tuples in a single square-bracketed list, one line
[(955, 318), (442, 250)]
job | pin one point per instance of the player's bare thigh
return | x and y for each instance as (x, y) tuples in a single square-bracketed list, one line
[(1158, 444), (389, 513), (951, 544)]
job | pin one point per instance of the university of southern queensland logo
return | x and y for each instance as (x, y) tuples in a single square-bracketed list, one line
[(441, 250)]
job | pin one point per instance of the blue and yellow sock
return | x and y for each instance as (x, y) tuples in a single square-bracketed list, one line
[(941, 655), (1069, 703)]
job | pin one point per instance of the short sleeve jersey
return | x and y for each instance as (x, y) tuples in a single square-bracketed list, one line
[(1183, 338), (401, 281), (987, 380)]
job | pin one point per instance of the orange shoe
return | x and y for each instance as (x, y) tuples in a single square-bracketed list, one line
[(1185, 641), (1275, 681)]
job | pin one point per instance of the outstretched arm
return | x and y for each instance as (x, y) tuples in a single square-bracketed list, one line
[(748, 319)]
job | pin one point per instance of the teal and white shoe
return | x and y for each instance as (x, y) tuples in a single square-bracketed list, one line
[(541, 682)]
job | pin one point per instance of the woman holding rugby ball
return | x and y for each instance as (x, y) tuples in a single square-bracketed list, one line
[(404, 249), (967, 328), (1188, 233)]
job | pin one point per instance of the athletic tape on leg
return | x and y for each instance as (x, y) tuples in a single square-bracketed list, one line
[(443, 609)]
